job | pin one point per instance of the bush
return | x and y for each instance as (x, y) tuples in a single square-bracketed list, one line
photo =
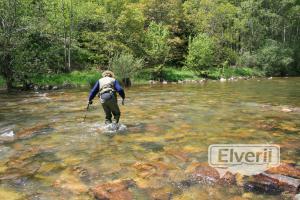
[(200, 54), (156, 43), (125, 66), (247, 60), (274, 58)]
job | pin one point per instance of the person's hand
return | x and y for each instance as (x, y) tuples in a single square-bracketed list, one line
[(90, 102), (123, 102)]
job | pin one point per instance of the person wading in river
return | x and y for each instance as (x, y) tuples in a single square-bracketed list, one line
[(107, 87)]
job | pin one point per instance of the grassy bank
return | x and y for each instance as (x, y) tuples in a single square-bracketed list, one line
[(175, 74), (2, 82), (75, 78), (84, 78)]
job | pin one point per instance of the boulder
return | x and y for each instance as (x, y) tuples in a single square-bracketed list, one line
[(262, 183), (115, 190), (285, 169), (285, 177)]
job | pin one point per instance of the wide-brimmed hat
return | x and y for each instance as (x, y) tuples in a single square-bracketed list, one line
[(108, 73)]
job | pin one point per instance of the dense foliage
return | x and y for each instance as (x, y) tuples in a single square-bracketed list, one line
[(59, 36)]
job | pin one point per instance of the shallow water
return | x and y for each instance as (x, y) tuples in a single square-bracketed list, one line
[(169, 124)]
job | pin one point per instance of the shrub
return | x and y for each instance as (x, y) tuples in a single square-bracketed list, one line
[(248, 60), (125, 66), (200, 53)]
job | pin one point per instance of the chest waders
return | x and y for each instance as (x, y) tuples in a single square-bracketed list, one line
[(108, 99)]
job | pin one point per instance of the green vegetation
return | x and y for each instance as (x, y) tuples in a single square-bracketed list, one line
[(217, 73), (75, 78), (200, 53), (2, 82), (47, 38), (170, 74), (125, 67)]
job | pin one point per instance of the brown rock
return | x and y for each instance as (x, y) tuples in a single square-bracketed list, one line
[(272, 183), (204, 173), (228, 179), (262, 183), (116, 190), (285, 169)]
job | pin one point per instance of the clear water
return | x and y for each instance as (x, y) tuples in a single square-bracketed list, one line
[(170, 126)]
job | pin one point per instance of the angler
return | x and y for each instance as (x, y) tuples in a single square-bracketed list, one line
[(108, 87)]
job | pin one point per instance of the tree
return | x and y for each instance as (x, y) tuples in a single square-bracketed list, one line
[(275, 58), (200, 54), (11, 29), (156, 44), (130, 28)]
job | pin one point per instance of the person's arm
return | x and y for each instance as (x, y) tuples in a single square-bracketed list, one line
[(119, 89), (94, 91)]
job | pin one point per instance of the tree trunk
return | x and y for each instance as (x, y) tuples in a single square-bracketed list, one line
[(65, 34), (7, 72), (70, 36), (126, 82), (284, 33)]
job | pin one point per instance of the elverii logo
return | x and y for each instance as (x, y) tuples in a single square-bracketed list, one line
[(246, 159)]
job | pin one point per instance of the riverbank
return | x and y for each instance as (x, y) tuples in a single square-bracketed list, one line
[(168, 74)]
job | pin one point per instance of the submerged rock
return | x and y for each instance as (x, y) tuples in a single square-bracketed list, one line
[(33, 131), (15, 173), (152, 146), (262, 183), (25, 163), (82, 173), (285, 169), (178, 154), (285, 177), (70, 182), (202, 173), (115, 190)]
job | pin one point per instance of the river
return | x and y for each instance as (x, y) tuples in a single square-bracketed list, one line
[(49, 152)]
